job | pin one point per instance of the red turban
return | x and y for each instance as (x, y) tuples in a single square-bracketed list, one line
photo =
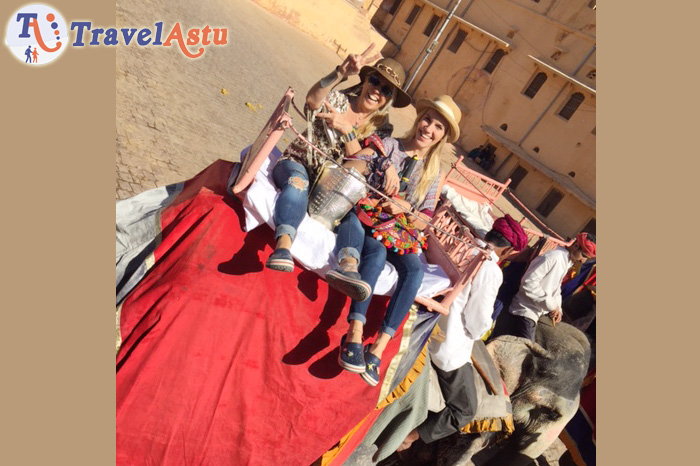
[(512, 231), (586, 245)]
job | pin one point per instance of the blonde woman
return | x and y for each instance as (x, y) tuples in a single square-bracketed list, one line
[(351, 115), (362, 257)]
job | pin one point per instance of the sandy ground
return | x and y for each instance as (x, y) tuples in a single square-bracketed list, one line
[(176, 115)]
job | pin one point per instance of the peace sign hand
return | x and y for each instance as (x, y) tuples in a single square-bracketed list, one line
[(354, 63), (335, 119)]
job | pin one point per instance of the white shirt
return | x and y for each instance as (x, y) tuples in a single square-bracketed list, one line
[(469, 317), (540, 288)]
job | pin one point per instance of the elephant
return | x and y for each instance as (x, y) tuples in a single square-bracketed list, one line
[(543, 379)]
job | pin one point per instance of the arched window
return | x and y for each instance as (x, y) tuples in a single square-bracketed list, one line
[(495, 58), (535, 85), (571, 105)]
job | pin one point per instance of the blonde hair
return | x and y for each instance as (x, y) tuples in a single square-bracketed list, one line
[(431, 166), (379, 118)]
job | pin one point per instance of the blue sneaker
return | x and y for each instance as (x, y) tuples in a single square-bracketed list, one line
[(371, 374), (281, 259), (348, 281), (350, 357)]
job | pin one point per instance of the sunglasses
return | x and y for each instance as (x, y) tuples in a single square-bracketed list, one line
[(386, 90)]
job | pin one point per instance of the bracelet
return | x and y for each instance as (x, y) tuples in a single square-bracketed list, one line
[(351, 136)]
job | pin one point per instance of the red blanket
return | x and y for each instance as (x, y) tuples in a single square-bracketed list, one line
[(224, 361)]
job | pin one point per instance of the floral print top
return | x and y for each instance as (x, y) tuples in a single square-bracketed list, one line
[(299, 151)]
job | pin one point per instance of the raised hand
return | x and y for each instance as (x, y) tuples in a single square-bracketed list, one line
[(354, 62), (335, 119)]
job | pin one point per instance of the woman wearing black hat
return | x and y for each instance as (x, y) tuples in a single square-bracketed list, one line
[(355, 114)]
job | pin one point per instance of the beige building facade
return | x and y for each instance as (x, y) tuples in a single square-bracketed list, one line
[(523, 73)]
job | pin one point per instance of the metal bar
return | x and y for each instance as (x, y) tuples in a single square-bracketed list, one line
[(432, 45), (288, 125)]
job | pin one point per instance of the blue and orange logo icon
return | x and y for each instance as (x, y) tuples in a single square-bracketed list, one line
[(37, 34)]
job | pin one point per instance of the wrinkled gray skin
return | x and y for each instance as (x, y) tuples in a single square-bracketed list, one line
[(544, 380)]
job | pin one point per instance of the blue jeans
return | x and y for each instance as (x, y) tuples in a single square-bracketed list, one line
[(354, 241), (292, 179)]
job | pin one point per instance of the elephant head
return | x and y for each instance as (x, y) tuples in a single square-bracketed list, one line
[(544, 379)]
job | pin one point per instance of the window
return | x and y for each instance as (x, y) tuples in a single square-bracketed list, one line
[(504, 127), (493, 62), (457, 42), (431, 25), (394, 7), (517, 176), (590, 227), (571, 105), (553, 198), (535, 85), (412, 15)]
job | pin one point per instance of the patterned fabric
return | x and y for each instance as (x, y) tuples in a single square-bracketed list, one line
[(396, 232), (298, 150)]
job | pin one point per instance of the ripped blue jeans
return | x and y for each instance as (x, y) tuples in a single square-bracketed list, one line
[(292, 179)]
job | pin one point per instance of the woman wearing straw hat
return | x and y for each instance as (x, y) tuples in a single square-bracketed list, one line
[(362, 256), (353, 114)]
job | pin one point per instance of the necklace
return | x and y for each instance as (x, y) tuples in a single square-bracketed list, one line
[(357, 118)]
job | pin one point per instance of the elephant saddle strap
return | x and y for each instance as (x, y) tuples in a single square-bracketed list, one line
[(486, 368)]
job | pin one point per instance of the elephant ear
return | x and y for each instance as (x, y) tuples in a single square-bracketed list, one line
[(538, 349), (510, 354)]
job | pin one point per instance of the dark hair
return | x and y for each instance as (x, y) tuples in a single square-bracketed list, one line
[(497, 239)]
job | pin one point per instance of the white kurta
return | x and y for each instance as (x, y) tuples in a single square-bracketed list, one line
[(540, 288), (469, 318)]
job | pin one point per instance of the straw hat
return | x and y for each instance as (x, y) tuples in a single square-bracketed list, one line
[(393, 72), (448, 109)]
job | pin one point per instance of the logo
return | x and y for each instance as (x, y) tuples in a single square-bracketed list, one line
[(37, 34)]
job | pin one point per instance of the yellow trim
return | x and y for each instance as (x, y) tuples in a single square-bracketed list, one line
[(402, 388), (398, 392), (149, 261), (403, 347), (119, 330), (572, 448), (504, 424), (328, 457)]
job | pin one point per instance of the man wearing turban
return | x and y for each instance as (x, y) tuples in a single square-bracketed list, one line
[(540, 288), (469, 318)]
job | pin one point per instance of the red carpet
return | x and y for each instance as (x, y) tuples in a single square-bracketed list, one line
[(224, 361)]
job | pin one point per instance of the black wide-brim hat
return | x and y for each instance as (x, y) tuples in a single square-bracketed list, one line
[(394, 74)]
